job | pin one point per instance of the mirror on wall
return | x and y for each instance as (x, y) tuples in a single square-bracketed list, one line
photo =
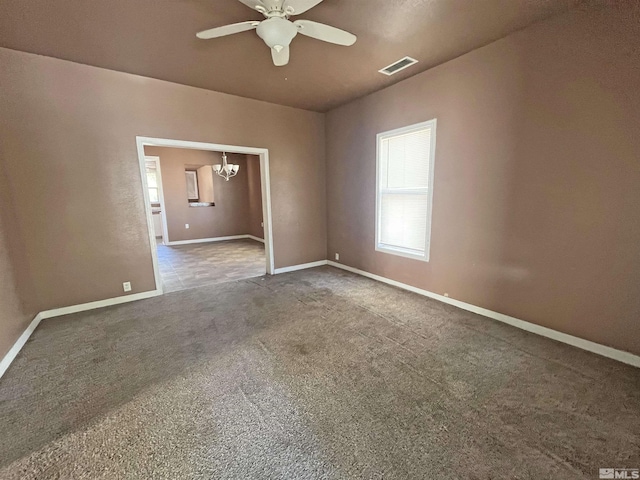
[(199, 186), (192, 185)]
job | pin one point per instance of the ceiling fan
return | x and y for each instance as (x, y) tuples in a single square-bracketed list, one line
[(277, 30)]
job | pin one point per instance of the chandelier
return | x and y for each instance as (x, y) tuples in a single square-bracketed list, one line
[(226, 170)]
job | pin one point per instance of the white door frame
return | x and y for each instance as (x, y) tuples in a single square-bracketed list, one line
[(163, 212), (265, 184)]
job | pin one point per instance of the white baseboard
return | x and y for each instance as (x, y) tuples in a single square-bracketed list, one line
[(206, 240), (56, 312), (619, 355), (302, 266), (257, 239), (13, 352)]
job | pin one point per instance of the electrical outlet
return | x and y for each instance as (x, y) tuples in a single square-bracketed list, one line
[(262, 224), (126, 286), (337, 256), (186, 225), (446, 294)]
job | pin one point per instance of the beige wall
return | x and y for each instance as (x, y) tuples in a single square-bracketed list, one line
[(13, 319), (537, 174), (254, 226), (17, 298), (229, 216), (67, 139)]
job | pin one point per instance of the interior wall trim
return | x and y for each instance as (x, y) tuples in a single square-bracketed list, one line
[(57, 312), (302, 266), (609, 352), (265, 185), (213, 239), (603, 350), (13, 352), (257, 239)]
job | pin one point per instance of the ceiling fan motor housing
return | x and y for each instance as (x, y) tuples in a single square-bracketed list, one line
[(277, 32)]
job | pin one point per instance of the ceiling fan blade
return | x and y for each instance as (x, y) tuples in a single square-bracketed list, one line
[(227, 30), (296, 7), (254, 4), (325, 33), (280, 58)]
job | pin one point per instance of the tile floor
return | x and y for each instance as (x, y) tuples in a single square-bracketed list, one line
[(198, 264)]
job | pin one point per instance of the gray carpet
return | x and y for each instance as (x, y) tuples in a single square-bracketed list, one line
[(313, 374)]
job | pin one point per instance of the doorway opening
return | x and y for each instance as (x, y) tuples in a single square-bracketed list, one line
[(203, 228)]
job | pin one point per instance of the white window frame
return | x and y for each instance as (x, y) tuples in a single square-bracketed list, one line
[(432, 155), (155, 161)]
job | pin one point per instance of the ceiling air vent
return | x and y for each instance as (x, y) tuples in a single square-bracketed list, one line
[(401, 64)]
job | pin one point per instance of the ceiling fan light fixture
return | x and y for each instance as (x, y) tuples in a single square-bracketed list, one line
[(276, 31)]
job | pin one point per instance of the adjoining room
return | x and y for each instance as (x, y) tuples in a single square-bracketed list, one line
[(207, 212)]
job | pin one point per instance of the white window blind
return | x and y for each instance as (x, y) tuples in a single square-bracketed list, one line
[(404, 190), (152, 181)]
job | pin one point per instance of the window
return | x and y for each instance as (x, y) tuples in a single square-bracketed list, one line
[(404, 190), (152, 181)]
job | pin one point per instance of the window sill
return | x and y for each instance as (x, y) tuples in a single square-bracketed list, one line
[(400, 252)]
